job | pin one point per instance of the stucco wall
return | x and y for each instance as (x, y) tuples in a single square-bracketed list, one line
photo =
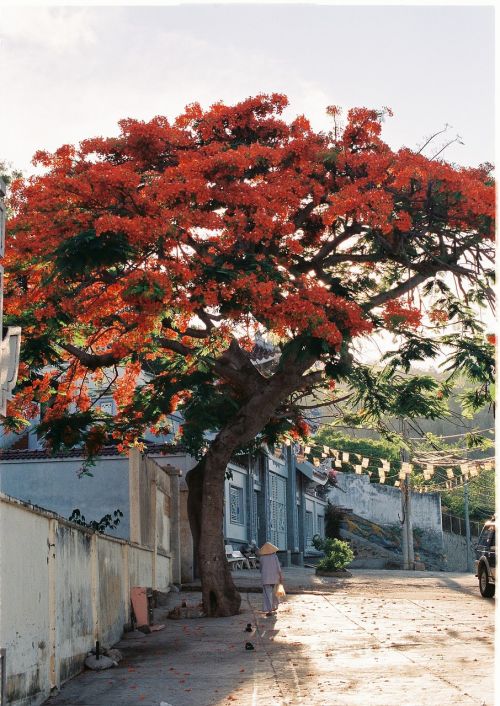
[(52, 483), (382, 504), (455, 551), (62, 587), (24, 602), (74, 607)]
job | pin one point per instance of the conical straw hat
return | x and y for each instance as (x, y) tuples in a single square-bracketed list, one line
[(268, 548)]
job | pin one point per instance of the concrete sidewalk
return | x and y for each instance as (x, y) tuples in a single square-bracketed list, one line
[(379, 638)]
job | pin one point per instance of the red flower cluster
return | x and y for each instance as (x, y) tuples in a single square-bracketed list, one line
[(398, 316)]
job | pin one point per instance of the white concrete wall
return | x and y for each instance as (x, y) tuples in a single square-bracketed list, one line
[(62, 588), (25, 630), (382, 503)]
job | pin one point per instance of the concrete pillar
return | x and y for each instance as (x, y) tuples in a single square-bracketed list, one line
[(52, 594), (94, 574), (134, 467), (126, 584), (285, 557), (175, 523), (186, 538), (291, 501), (154, 518)]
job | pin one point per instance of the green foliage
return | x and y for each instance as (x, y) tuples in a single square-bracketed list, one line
[(88, 251), (371, 448), (413, 348), (472, 357), (379, 393), (338, 554), (106, 522)]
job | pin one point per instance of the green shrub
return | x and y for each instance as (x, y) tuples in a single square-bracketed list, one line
[(338, 555)]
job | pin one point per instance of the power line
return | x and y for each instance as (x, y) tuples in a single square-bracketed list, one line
[(452, 436)]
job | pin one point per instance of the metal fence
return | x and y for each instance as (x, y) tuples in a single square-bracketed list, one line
[(456, 525)]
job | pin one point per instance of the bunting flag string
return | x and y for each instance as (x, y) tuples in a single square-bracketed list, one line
[(453, 474)]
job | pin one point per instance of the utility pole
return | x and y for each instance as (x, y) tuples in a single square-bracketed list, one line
[(467, 526), (406, 529)]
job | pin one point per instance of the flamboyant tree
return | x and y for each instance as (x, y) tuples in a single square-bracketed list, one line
[(163, 252)]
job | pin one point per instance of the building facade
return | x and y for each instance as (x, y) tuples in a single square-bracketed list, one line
[(269, 497)]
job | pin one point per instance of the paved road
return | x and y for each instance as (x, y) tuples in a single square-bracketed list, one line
[(375, 639)]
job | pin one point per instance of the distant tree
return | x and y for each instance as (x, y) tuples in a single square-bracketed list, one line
[(481, 497), (166, 250), (389, 449)]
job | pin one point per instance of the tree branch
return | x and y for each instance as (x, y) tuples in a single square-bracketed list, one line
[(175, 346), (399, 290), (92, 361)]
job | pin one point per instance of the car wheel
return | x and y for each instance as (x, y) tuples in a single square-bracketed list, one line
[(486, 588)]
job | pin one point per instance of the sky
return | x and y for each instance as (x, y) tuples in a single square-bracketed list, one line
[(69, 73)]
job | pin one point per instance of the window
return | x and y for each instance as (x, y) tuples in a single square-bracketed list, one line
[(487, 537), (236, 515), (321, 525)]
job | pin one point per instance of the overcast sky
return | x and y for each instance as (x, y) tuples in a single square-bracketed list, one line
[(72, 73)]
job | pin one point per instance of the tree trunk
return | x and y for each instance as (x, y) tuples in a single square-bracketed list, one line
[(206, 487), (206, 517)]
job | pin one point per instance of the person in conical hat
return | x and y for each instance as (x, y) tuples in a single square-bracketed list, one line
[(271, 574)]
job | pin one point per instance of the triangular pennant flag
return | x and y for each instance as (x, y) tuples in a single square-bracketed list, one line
[(401, 475), (323, 455), (307, 450), (345, 457), (365, 462), (326, 449), (397, 484), (407, 467), (338, 464), (358, 469), (464, 468), (449, 473), (429, 468), (316, 461)]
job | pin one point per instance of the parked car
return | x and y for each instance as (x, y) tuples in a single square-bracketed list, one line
[(486, 559)]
